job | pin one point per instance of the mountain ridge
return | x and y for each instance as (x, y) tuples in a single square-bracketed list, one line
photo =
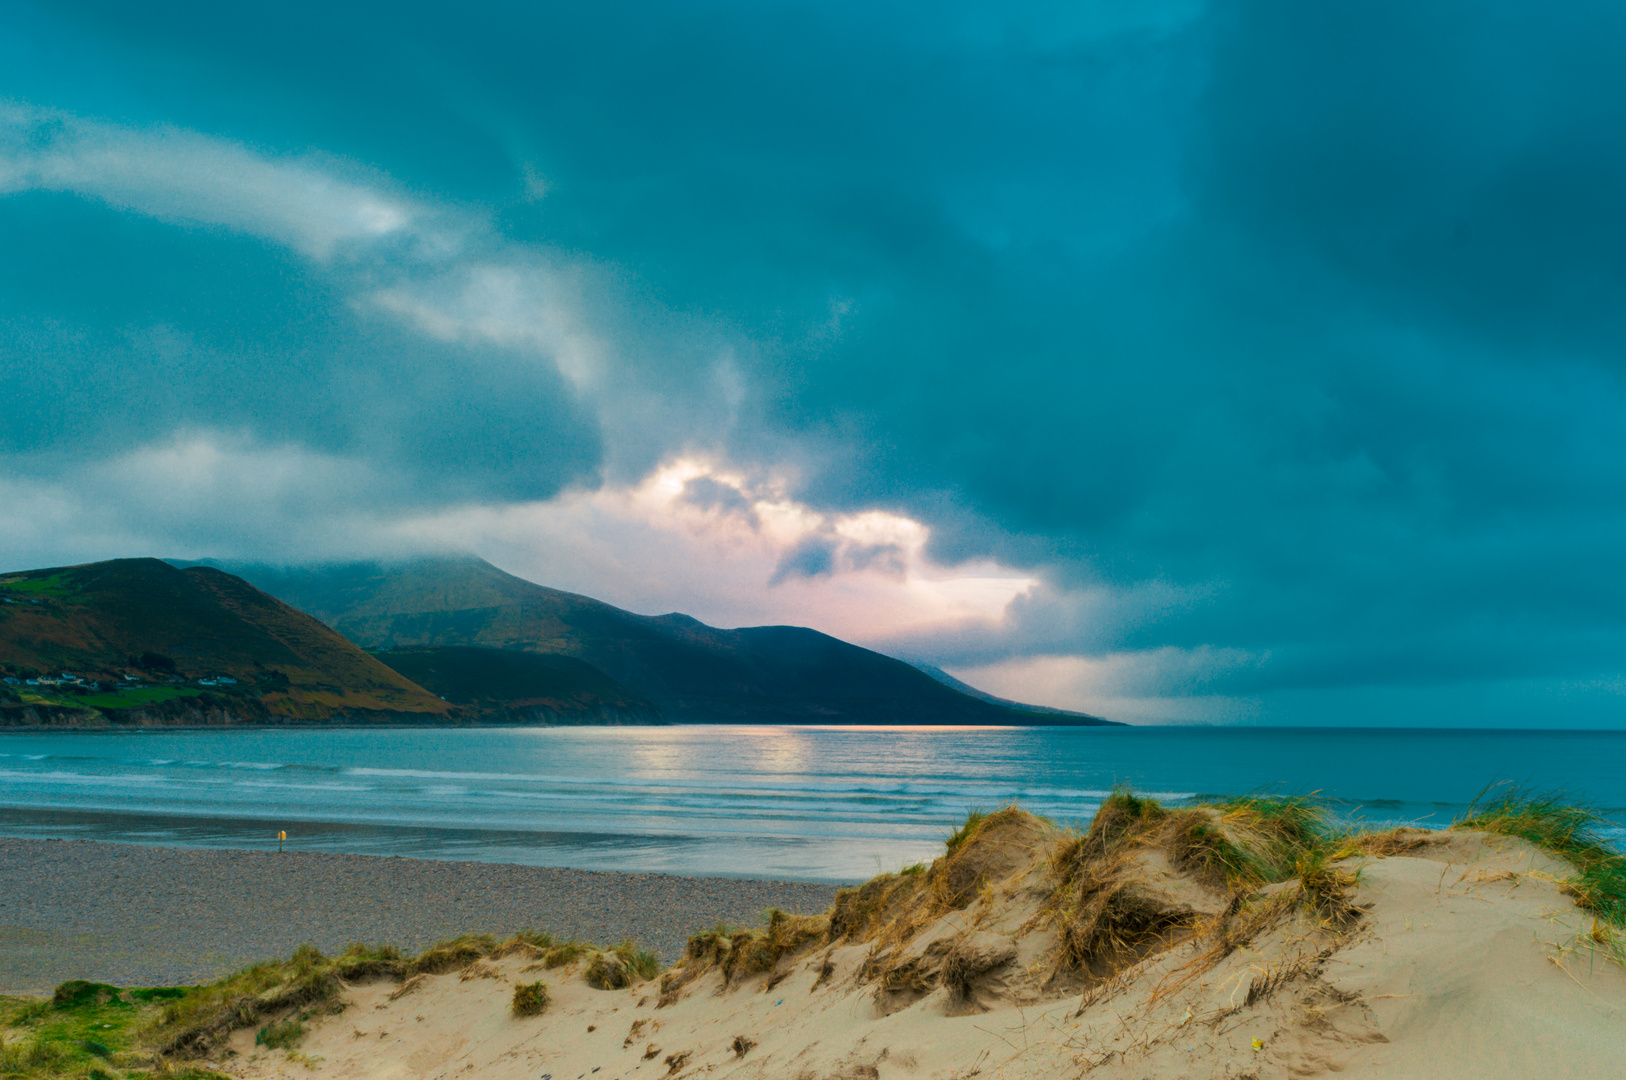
[(687, 669)]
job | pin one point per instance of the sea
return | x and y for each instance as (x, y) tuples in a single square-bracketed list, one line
[(792, 803)]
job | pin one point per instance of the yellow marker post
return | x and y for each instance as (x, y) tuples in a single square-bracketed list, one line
[(281, 836)]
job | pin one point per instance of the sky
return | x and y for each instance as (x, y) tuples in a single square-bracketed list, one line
[(1242, 362)]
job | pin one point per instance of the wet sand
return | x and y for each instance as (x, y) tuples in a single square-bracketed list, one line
[(153, 916)]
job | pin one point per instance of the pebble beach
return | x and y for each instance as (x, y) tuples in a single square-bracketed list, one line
[(152, 916)]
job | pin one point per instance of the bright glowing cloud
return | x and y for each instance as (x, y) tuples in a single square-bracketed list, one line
[(699, 537)]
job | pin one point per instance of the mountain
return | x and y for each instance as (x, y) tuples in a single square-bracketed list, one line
[(686, 669), (521, 687), (144, 642)]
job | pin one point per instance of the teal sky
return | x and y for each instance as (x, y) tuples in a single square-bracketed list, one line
[(1232, 362)]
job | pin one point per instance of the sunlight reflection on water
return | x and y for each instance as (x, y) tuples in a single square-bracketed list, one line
[(794, 802)]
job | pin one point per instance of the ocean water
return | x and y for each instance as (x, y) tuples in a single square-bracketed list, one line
[(800, 803)]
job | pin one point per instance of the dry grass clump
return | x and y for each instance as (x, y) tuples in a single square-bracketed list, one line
[(1109, 922), (1402, 840), (891, 909), (452, 954), (1110, 915), (621, 966), (753, 953), (566, 952), (530, 999), (1107, 916), (1201, 846), (1123, 814), (987, 848), (710, 946), (1324, 889), (859, 914), (204, 1019), (739, 954), (544, 948), (364, 963), (1262, 838), (1569, 830)]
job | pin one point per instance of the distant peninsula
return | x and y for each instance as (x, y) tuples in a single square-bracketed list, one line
[(443, 641)]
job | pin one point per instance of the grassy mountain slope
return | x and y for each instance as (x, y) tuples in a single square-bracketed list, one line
[(105, 621), (686, 668), (507, 681)]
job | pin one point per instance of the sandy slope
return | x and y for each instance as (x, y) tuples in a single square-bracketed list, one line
[(1465, 960)]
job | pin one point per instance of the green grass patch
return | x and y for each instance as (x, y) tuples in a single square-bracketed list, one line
[(53, 585), (125, 699), (1562, 827), (959, 836), (84, 1031), (282, 1034)]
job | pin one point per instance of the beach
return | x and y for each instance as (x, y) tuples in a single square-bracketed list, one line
[(1241, 940), (133, 915), (1028, 953)]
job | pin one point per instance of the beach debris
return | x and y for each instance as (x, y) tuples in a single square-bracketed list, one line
[(651, 1051), (742, 1045), (480, 969), (674, 1062)]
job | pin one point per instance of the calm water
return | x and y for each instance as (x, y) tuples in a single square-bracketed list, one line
[(800, 803)]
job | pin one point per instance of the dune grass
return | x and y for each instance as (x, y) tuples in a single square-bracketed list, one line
[(530, 999), (86, 1031), (1243, 846), (90, 1031), (960, 835), (1565, 828), (281, 1034), (621, 966)]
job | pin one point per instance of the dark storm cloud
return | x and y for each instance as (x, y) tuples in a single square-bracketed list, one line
[(1291, 331), (709, 494), (812, 557)]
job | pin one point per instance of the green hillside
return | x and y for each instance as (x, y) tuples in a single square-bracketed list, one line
[(504, 680), (138, 635), (689, 670)]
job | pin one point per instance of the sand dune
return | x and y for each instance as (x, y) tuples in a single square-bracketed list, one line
[(1028, 952)]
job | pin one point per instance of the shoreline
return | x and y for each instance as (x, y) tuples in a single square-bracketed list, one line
[(450, 725), (141, 915)]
